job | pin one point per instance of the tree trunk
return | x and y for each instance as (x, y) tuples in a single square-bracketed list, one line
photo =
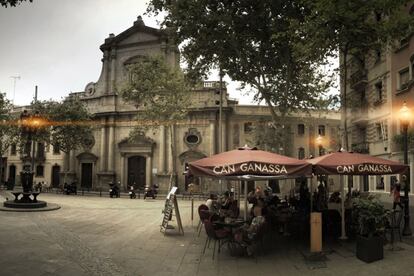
[(344, 100)]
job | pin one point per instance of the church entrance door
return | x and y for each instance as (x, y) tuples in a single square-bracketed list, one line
[(136, 171), (86, 175)]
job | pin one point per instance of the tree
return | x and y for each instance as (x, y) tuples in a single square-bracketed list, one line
[(357, 28), (160, 93), (262, 44), (12, 3), (9, 131), (67, 125)]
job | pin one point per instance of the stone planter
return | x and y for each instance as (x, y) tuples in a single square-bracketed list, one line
[(369, 249)]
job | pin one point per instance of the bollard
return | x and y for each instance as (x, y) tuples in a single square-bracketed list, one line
[(192, 208), (316, 232)]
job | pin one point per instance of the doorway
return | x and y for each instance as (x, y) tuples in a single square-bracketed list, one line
[(86, 175), (12, 175), (55, 176), (137, 171)]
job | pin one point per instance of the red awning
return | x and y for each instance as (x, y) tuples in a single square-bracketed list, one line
[(348, 163), (250, 163)]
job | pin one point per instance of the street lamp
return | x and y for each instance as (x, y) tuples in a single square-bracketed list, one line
[(30, 124), (319, 142), (405, 117)]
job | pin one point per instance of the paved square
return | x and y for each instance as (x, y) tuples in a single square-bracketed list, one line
[(90, 235)]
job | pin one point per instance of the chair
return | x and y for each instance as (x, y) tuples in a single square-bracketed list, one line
[(204, 214), (214, 234), (394, 224)]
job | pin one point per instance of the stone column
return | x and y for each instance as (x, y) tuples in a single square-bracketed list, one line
[(102, 147), (162, 156), (123, 177), (148, 172), (212, 137), (113, 71), (111, 142), (105, 65), (72, 160)]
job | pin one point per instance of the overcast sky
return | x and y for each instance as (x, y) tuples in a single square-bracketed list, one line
[(55, 44)]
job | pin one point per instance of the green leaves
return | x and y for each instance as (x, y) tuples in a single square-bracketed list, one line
[(262, 44), (159, 91), (69, 124), (370, 215)]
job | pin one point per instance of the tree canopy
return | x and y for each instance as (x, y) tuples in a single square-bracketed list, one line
[(12, 3), (69, 124), (263, 44)]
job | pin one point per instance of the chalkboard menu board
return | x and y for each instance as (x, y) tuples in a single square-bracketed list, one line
[(170, 205)]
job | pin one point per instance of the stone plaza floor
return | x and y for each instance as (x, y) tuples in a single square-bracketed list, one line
[(90, 235)]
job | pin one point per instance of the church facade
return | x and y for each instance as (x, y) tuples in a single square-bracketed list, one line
[(112, 157)]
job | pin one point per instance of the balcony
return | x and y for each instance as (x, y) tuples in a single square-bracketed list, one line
[(359, 116), (361, 147), (27, 158), (359, 79)]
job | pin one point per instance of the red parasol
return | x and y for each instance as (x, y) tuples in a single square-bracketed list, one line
[(348, 163), (250, 163)]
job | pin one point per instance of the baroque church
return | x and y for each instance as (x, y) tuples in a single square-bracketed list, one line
[(112, 157)]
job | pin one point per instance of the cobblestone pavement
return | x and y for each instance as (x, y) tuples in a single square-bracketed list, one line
[(90, 235)]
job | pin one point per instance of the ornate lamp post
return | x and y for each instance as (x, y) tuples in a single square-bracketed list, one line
[(405, 117), (319, 143), (30, 124)]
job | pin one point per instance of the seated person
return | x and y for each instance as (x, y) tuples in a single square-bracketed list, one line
[(245, 235), (226, 202), (259, 207), (212, 203)]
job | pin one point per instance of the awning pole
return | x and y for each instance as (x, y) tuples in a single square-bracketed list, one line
[(343, 233), (245, 200)]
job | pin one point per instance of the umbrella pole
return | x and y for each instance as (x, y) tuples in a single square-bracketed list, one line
[(343, 233), (245, 201)]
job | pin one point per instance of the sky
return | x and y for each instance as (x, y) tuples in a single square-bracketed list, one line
[(54, 44)]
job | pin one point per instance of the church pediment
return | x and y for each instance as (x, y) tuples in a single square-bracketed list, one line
[(138, 33), (138, 141), (87, 156)]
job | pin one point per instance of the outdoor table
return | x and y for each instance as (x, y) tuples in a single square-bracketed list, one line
[(231, 225)]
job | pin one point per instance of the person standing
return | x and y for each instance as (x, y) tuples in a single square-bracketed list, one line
[(395, 192)]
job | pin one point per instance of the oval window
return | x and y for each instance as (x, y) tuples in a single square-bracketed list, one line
[(192, 139)]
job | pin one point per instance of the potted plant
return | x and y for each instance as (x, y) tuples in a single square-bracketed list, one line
[(371, 218)]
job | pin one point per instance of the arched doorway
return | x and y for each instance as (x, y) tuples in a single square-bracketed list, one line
[(55, 176), (86, 175), (137, 171)]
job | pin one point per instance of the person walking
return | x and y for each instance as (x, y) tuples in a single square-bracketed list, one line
[(395, 192)]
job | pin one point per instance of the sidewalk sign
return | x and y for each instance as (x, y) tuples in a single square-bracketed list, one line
[(170, 203)]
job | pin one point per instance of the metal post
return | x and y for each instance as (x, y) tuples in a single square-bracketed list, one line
[(245, 200), (407, 229), (343, 232), (192, 208)]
